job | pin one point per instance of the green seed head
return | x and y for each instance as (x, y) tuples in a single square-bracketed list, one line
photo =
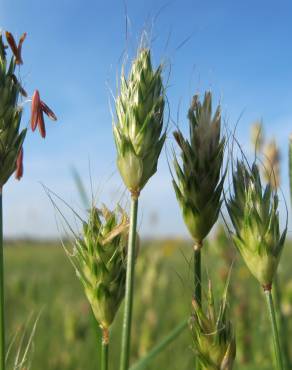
[(11, 138), (100, 261), (254, 214), (199, 182), (137, 132), (213, 335)]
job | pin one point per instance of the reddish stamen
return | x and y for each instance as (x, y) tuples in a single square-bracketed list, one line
[(12, 43), (35, 110), (16, 50), (19, 165), (19, 57), (48, 111), (41, 125)]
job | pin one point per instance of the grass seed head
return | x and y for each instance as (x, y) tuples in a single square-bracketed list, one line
[(199, 181), (213, 334), (100, 261), (11, 137), (138, 130), (254, 214), (271, 164), (257, 136)]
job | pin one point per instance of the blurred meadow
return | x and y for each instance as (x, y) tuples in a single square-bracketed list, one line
[(41, 279)]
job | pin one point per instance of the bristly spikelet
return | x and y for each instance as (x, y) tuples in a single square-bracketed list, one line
[(213, 334), (254, 214), (138, 130), (100, 261), (199, 181), (11, 139)]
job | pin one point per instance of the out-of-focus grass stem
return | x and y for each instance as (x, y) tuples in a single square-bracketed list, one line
[(272, 314)]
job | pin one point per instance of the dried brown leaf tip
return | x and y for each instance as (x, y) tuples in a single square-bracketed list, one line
[(16, 49), (38, 108), (19, 165)]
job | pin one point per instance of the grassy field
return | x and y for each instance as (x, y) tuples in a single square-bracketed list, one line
[(39, 278)]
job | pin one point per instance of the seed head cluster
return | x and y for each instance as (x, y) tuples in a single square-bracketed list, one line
[(254, 214), (11, 137), (199, 183), (100, 261), (138, 130), (213, 334)]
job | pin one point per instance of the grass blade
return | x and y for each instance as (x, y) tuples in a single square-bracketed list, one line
[(144, 362)]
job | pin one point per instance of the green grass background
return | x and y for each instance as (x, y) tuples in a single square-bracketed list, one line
[(39, 278)]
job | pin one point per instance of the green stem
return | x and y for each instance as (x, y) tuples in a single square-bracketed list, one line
[(272, 314), (104, 349), (197, 281), (144, 362), (197, 275), (2, 321), (126, 333), (283, 325)]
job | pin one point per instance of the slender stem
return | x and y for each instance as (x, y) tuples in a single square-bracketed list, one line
[(2, 321), (126, 333), (283, 327), (198, 281), (104, 349), (144, 362), (272, 314), (197, 276)]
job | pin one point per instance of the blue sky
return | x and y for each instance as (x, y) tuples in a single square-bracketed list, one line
[(241, 50)]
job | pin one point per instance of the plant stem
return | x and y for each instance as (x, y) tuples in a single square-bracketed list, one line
[(144, 362), (197, 275), (197, 281), (104, 349), (282, 323), (2, 320), (272, 314), (126, 332)]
